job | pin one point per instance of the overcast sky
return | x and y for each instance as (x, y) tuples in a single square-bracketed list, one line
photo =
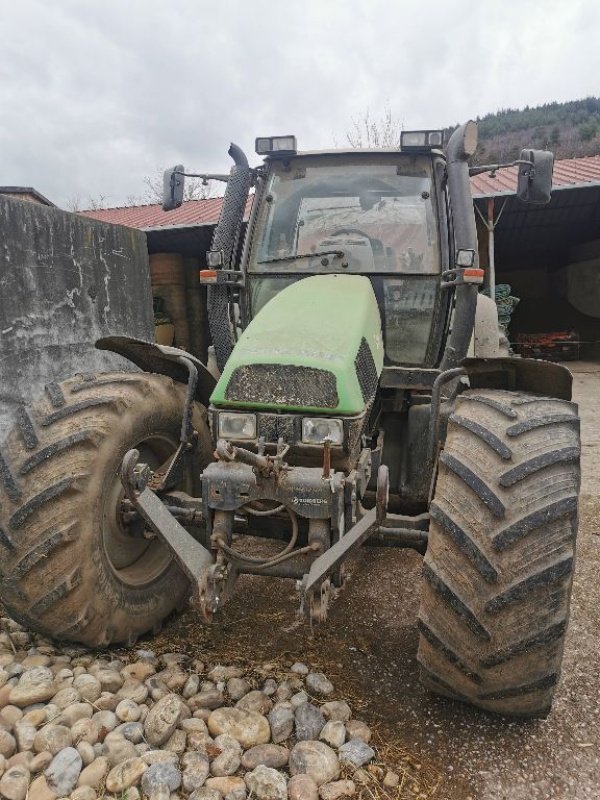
[(97, 94)]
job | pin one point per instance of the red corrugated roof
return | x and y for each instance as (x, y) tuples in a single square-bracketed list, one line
[(192, 212), (567, 172)]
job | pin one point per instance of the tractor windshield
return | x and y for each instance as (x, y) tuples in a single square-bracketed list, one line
[(365, 214)]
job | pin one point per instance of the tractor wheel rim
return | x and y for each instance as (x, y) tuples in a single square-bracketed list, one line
[(135, 561)]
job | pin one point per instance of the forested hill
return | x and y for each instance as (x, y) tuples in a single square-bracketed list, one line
[(568, 129)]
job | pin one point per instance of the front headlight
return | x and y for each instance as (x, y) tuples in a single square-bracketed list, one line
[(237, 426), (315, 431)]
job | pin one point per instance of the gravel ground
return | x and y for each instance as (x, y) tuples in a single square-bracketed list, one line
[(368, 648)]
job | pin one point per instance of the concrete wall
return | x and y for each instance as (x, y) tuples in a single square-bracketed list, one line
[(65, 281)]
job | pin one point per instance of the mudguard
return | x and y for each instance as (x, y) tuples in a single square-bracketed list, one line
[(526, 374), (152, 357)]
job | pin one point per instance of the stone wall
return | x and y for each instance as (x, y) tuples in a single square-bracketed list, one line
[(65, 281)]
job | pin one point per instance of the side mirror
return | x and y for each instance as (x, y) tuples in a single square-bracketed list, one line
[(534, 184), (173, 182)]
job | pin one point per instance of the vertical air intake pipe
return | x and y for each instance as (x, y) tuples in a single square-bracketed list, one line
[(460, 148), (225, 239)]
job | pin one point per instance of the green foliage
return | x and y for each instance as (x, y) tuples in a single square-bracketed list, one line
[(556, 114), (569, 129)]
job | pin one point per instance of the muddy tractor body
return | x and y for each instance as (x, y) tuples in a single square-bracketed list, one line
[(362, 397)]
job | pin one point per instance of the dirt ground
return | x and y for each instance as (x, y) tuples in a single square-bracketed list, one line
[(368, 647)]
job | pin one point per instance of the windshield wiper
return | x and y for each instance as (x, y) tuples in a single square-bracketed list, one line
[(338, 253)]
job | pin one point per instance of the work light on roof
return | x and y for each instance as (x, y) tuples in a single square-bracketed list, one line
[(421, 140), (280, 145)]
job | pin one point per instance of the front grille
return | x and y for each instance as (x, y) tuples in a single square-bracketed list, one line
[(283, 384), (366, 371)]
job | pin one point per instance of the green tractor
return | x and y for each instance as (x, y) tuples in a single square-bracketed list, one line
[(363, 397)]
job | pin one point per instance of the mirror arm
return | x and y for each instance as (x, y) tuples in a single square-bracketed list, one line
[(491, 168), (205, 176)]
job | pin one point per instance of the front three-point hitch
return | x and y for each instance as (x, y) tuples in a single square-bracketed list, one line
[(314, 510)]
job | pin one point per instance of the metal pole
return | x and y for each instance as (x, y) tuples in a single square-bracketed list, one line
[(491, 253)]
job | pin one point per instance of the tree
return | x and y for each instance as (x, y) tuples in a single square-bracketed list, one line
[(368, 132), (195, 188)]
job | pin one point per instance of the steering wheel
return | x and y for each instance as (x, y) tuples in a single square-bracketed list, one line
[(376, 244), (350, 230)]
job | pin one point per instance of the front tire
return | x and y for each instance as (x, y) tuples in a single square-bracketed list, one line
[(69, 569), (499, 565)]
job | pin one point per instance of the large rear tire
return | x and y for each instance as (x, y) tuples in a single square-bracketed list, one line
[(499, 565), (68, 567)]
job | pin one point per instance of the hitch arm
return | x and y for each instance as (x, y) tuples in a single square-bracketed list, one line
[(193, 557), (325, 564)]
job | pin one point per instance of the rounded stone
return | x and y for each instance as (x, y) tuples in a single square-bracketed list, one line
[(281, 720), (225, 764), (128, 711), (85, 730), (9, 716), (88, 687), (163, 773), (117, 749), (210, 699), (158, 757), (139, 671), (309, 722), (106, 702), (93, 775), (109, 679), (40, 762), (299, 668), (66, 697), (296, 700), (106, 721), (302, 787), (133, 690), (336, 710), (176, 742), (333, 734), (204, 793), (39, 790), (64, 770), (14, 783), (221, 673), (162, 720), (248, 727), (226, 785), (86, 793), (237, 688), (73, 713), (132, 731), (255, 701), (196, 768), (86, 751), (315, 759), (24, 734), (318, 684), (358, 730), (336, 790), (191, 686), (266, 755), (36, 685), (52, 738), (356, 752), (125, 774), (265, 783)]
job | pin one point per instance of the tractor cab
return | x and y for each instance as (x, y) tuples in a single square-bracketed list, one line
[(377, 214)]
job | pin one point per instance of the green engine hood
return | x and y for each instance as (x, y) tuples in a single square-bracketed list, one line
[(316, 346)]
